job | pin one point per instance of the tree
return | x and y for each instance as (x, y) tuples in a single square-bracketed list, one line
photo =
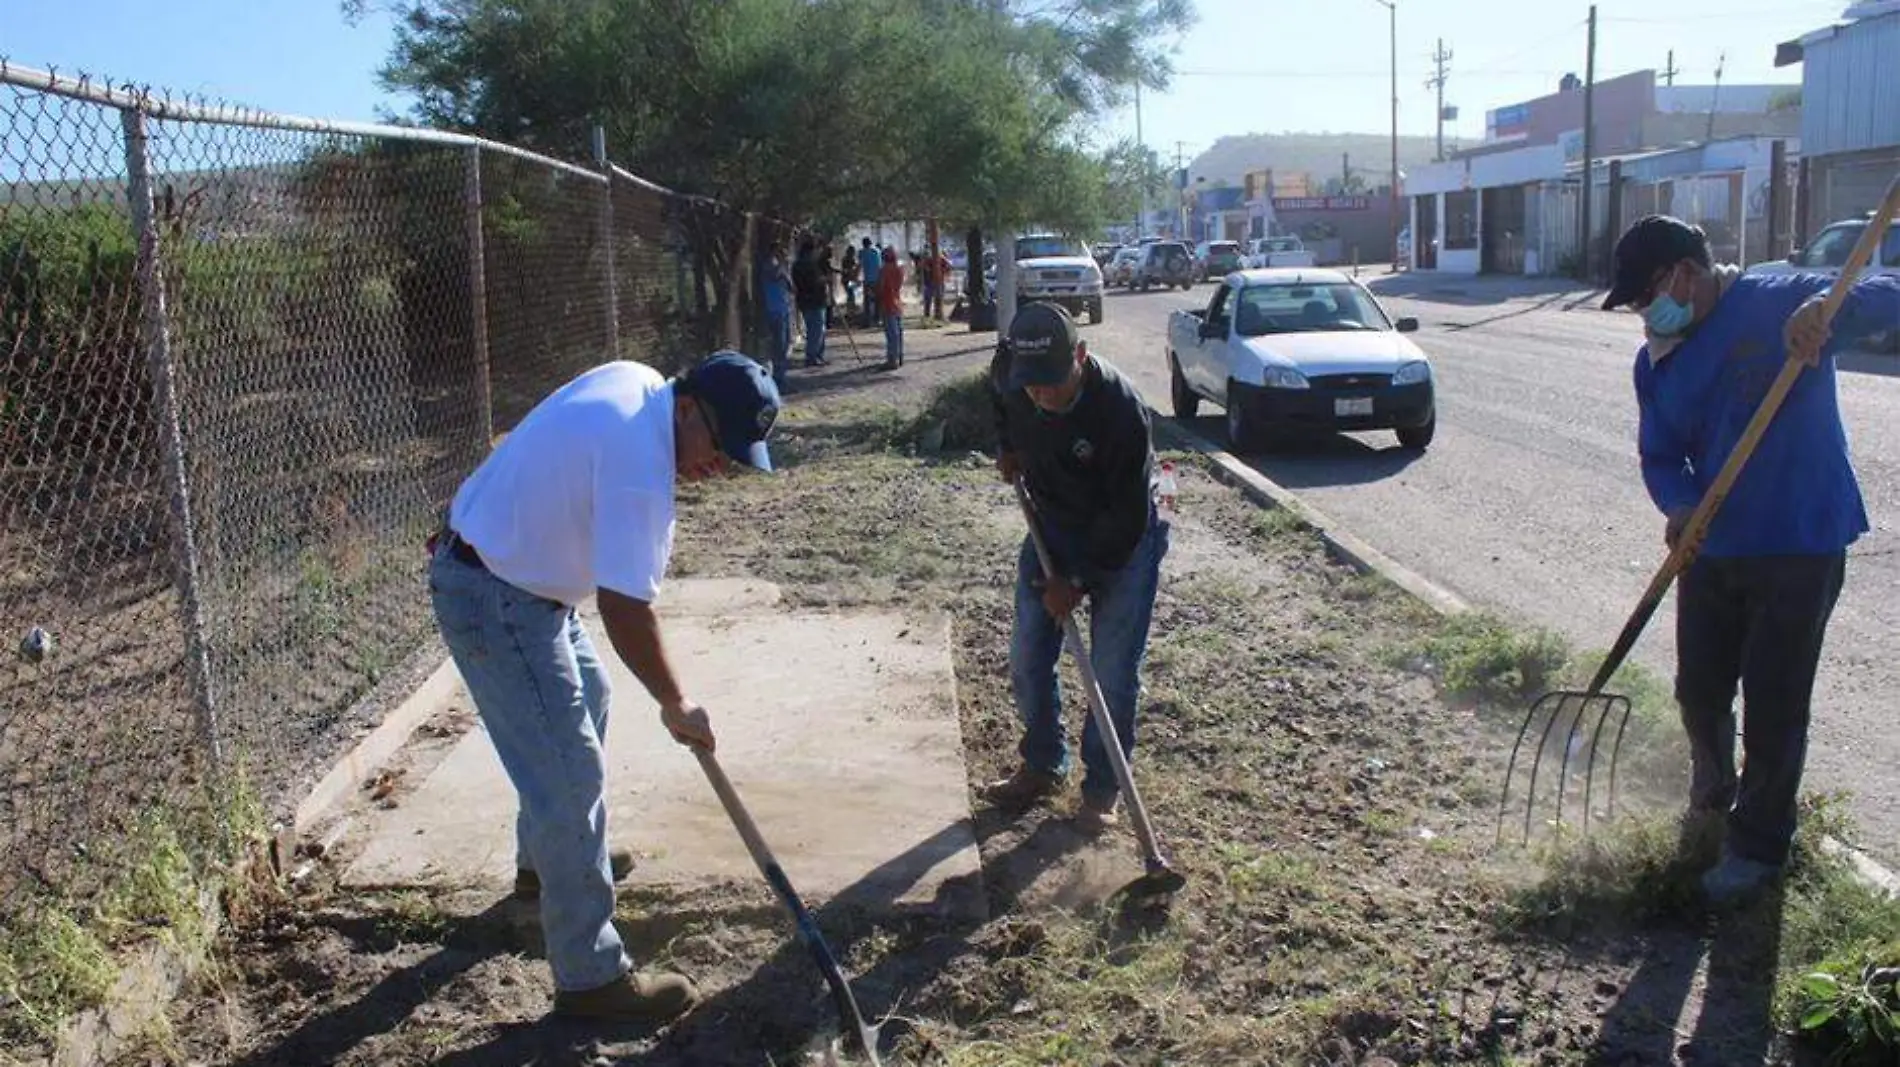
[(975, 110), (1134, 176)]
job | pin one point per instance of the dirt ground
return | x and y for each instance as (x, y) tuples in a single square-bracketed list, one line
[(1333, 813)]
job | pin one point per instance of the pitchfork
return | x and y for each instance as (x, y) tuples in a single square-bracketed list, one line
[(1593, 704)]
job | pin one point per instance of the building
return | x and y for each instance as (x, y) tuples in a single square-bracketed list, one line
[(1850, 114), (1633, 113), (1520, 212)]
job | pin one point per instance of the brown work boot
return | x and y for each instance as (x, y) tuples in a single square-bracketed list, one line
[(1021, 789), (528, 882), (630, 998), (1098, 813)]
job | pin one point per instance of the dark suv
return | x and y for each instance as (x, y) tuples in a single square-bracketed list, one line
[(1165, 263)]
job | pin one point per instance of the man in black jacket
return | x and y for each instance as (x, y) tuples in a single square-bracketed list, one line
[(810, 292), (1078, 435)]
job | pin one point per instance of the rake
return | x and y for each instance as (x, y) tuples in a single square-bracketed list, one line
[(1578, 707)]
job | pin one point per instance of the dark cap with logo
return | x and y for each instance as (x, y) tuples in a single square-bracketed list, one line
[(1042, 340), (1650, 246), (743, 401)]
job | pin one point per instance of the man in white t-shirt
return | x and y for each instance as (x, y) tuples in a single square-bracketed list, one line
[(577, 501)]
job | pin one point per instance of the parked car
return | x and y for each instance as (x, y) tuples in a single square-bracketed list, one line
[(1121, 270), (1828, 253), (1291, 351), (1282, 251), (1102, 253), (1216, 259), (1164, 263), (1055, 269)]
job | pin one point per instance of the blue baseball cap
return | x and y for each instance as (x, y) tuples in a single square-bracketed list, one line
[(743, 400)]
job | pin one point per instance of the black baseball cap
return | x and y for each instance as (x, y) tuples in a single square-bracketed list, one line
[(1042, 340), (744, 402), (1652, 244)]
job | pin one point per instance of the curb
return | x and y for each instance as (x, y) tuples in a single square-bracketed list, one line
[(1365, 559), (346, 777), (1357, 554)]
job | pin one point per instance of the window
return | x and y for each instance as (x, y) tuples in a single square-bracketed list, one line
[(1045, 247), (1461, 220), (1268, 309), (1832, 246)]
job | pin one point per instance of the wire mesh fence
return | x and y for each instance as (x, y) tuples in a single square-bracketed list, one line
[(244, 363)]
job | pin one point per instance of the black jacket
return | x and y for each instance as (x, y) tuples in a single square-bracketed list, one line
[(808, 285), (1090, 469)]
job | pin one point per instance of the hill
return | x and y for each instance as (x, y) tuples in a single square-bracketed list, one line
[(1315, 153)]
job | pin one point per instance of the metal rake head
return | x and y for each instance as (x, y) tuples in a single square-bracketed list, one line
[(1577, 722)]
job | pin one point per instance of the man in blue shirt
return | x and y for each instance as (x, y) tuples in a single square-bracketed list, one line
[(871, 262), (1754, 605)]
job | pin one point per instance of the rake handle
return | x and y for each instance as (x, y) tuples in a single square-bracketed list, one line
[(1098, 704), (1690, 541)]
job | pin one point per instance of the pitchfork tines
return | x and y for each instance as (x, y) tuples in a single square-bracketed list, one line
[(1578, 720)]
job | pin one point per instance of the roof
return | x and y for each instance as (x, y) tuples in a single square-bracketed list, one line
[(1290, 276), (1788, 53)]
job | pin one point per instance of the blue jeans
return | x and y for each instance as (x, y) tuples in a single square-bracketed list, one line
[(894, 339), (871, 309), (542, 694), (814, 335), (1121, 605), (778, 338)]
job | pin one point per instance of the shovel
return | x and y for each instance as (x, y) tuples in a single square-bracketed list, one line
[(1579, 707), (849, 1017), (1159, 879)]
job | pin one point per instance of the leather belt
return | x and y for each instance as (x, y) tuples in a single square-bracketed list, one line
[(465, 552)]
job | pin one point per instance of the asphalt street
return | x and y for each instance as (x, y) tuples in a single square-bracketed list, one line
[(1530, 502)]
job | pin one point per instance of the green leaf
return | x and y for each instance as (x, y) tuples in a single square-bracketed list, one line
[(1818, 1016), (1821, 985)]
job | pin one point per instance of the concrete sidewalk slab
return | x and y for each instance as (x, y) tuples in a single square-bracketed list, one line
[(840, 732)]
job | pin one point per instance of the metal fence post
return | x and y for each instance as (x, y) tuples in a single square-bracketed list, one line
[(607, 240), (155, 338), (478, 293)]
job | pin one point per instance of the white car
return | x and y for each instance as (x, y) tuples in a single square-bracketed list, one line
[(1058, 270), (1828, 253), (1291, 351), (1121, 269), (1284, 251)]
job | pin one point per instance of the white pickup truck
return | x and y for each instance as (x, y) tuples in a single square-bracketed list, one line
[(1828, 252), (1296, 351), (1287, 251), (1059, 270)]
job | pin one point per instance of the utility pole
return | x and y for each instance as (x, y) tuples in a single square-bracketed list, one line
[(1392, 9), (1180, 190), (1669, 73), (1441, 60), (1715, 97), (1141, 146), (1589, 148), (1345, 173)]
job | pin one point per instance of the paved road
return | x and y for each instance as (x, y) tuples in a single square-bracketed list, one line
[(1530, 500)]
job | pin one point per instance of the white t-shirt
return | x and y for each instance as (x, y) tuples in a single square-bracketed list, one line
[(580, 495)]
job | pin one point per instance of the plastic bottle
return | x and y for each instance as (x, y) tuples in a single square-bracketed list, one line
[(1167, 490)]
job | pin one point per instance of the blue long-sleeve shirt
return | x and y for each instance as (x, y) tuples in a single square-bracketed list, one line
[(871, 261), (1798, 494)]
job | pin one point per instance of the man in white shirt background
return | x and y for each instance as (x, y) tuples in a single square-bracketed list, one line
[(578, 501)]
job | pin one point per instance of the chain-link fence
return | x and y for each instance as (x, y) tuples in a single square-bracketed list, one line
[(244, 362)]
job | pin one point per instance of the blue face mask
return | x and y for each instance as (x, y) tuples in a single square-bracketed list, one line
[(1667, 317)]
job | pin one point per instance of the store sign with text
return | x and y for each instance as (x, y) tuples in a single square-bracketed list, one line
[(1322, 203)]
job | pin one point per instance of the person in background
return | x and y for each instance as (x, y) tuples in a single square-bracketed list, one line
[(775, 291), (808, 285), (871, 262), (891, 303), (1753, 606), (829, 271), (936, 275), (576, 502), (849, 273), (1078, 435)]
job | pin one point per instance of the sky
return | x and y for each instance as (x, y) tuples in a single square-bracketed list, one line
[(1246, 66)]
